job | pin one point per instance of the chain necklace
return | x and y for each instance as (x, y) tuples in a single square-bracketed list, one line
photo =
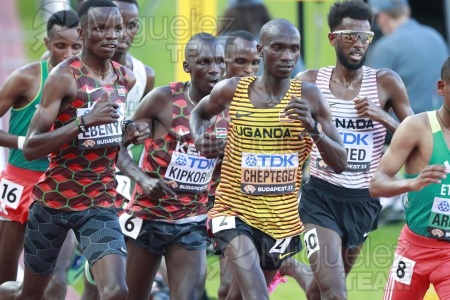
[(50, 66), (442, 121), (101, 74)]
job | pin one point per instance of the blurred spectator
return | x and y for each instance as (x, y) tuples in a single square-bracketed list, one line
[(248, 15), (415, 51)]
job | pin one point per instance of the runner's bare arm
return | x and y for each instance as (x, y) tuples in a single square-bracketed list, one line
[(407, 146), (59, 90), (18, 87), (311, 108), (218, 100), (393, 90)]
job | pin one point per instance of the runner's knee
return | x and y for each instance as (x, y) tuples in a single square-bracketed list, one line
[(114, 291)]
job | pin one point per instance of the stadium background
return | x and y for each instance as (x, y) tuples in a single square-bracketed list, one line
[(165, 27)]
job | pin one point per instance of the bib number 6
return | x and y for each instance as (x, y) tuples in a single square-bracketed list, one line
[(10, 193), (131, 226)]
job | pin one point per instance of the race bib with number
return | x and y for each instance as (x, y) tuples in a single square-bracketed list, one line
[(10, 193), (131, 226), (280, 245), (402, 269), (311, 242), (191, 173), (101, 135), (223, 223), (263, 174)]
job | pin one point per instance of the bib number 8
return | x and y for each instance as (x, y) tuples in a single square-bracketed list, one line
[(402, 269), (10, 193)]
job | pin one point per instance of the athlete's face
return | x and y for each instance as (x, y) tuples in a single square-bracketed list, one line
[(101, 31), (280, 50), (242, 58), (206, 65), (62, 43), (350, 54), (130, 16)]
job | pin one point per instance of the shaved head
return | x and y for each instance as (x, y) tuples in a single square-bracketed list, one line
[(274, 28)]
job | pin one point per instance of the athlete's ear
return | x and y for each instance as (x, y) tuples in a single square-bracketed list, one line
[(80, 33), (332, 39), (47, 43), (186, 67), (259, 49), (441, 87)]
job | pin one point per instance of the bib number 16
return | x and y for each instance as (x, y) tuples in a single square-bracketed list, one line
[(10, 193)]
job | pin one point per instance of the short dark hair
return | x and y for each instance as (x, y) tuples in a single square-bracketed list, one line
[(64, 18), (199, 37), (245, 35), (354, 9), (445, 71), (92, 4)]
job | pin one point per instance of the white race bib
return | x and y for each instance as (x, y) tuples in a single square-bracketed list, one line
[(101, 135), (402, 269), (10, 193), (131, 226)]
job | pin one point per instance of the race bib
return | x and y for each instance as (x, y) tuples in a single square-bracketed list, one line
[(280, 245), (402, 269), (131, 226), (439, 221), (263, 174), (10, 193), (311, 242), (222, 223), (359, 147), (191, 173), (105, 135)]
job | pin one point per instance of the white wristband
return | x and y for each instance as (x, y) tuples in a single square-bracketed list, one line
[(20, 142)]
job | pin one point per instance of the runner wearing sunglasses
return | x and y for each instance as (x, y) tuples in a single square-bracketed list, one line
[(337, 209)]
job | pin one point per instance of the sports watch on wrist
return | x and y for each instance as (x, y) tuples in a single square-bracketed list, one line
[(125, 125), (317, 128)]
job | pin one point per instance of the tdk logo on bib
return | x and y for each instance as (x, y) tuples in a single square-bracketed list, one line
[(273, 161), (268, 173), (350, 138), (195, 162)]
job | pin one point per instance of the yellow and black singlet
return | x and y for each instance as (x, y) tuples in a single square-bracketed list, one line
[(261, 169)]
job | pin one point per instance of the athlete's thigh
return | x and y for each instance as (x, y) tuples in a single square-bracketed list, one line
[(11, 245), (350, 256), (324, 250), (440, 276), (244, 262), (186, 270), (409, 276), (225, 278), (142, 267)]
